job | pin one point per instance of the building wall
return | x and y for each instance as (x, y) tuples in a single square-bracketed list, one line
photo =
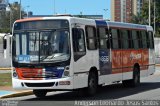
[(122, 10), (5, 62), (112, 10)]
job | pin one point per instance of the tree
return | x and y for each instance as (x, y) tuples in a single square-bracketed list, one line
[(142, 18), (1, 1), (7, 18), (138, 19)]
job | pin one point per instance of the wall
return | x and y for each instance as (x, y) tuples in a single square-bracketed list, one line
[(5, 62)]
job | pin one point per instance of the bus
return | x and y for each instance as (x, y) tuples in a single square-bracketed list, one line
[(66, 53)]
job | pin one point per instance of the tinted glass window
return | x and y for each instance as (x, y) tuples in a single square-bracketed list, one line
[(115, 39), (45, 24), (78, 40), (151, 40), (144, 39), (135, 39), (125, 39), (91, 38), (104, 41)]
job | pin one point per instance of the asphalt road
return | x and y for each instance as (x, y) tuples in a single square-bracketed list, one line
[(149, 89)]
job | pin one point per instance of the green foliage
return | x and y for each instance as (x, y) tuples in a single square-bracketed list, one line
[(5, 79), (7, 18), (138, 19), (142, 18)]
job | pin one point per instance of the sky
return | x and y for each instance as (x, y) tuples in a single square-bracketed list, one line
[(73, 7)]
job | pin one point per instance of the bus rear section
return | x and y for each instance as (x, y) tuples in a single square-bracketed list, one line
[(130, 51)]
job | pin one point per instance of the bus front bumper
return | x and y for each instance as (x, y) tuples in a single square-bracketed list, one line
[(54, 84)]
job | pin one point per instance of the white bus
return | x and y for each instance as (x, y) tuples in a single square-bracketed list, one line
[(69, 53)]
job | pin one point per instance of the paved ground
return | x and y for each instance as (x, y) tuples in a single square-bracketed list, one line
[(5, 71), (4, 92), (148, 90)]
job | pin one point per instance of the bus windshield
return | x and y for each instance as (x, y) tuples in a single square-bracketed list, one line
[(44, 46)]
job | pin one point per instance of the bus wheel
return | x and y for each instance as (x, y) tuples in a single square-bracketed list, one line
[(92, 84), (40, 93), (136, 77), (135, 81)]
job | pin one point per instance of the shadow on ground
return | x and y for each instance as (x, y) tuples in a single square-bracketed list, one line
[(115, 91)]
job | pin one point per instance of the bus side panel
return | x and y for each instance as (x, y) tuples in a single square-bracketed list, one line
[(145, 63), (151, 69), (127, 63), (117, 64), (104, 62), (130, 58)]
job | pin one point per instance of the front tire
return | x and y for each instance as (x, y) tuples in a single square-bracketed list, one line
[(40, 93), (92, 84)]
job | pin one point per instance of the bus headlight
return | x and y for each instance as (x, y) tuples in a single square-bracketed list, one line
[(66, 72), (15, 74)]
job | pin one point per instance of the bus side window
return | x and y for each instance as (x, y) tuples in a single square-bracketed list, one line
[(139, 36), (104, 40), (135, 39), (125, 39), (78, 43), (130, 39), (151, 42), (91, 38), (144, 39), (115, 41)]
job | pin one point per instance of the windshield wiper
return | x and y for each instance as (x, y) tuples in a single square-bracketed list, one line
[(53, 56)]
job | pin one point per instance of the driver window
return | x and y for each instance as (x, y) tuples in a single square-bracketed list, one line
[(78, 40), (78, 43)]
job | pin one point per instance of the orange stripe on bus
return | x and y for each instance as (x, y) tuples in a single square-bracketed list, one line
[(30, 19), (127, 58), (29, 74)]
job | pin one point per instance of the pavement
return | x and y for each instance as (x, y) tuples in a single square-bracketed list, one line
[(9, 92)]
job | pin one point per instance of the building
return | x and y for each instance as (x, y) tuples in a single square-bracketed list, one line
[(3, 4), (122, 10)]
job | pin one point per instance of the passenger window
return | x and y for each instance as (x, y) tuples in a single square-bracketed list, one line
[(151, 40), (144, 39), (135, 39), (125, 39), (91, 38), (115, 42), (104, 41)]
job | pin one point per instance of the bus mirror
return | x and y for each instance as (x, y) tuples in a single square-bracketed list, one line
[(4, 43)]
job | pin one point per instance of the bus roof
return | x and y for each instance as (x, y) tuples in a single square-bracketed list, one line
[(98, 22)]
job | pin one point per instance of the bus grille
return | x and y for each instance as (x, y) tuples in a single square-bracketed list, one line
[(38, 74), (40, 84)]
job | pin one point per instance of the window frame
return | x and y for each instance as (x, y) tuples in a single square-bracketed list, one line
[(78, 54), (123, 39), (144, 39), (94, 38), (151, 40), (103, 38), (118, 38)]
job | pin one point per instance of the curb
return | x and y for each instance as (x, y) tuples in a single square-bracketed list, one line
[(18, 94), (5, 69), (157, 64)]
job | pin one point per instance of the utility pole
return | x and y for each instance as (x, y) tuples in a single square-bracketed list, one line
[(20, 13), (149, 12), (154, 17)]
